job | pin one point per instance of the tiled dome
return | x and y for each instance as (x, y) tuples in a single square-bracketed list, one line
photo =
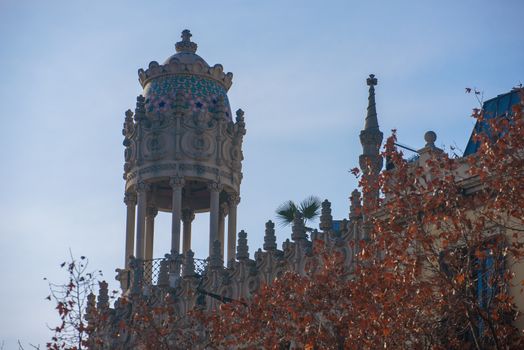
[(186, 73)]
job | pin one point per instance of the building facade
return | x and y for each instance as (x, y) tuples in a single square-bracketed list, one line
[(183, 155)]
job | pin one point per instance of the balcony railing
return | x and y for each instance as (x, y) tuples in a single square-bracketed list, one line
[(156, 272), (200, 266)]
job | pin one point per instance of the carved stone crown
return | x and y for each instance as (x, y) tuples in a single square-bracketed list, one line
[(185, 61)]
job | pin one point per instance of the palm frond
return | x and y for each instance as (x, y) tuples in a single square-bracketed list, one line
[(286, 212), (310, 207)]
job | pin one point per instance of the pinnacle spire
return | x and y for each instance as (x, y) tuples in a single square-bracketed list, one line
[(371, 139), (371, 118)]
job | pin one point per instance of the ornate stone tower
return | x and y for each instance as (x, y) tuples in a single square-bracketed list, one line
[(183, 152), (371, 138)]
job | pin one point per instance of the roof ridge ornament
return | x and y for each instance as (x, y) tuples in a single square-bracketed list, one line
[(186, 45)]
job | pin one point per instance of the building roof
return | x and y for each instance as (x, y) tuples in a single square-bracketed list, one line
[(492, 108)]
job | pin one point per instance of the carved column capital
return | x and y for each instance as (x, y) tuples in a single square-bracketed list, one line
[(188, 215), (151, 212), (233, 199), (215, 186), (143, 187), (130, 199), (224, 209), (177, 182)]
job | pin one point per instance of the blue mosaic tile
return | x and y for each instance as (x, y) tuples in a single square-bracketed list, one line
[(199, 93)]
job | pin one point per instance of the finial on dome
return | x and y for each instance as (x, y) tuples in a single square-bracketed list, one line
[(186, 45), (186, 35)]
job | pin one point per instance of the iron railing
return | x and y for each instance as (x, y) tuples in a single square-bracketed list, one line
[(200, 266), (152, 270), (155, 270)]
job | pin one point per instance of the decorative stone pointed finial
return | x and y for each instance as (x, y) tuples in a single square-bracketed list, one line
[(240, 118), (163, 274), (270, 240), (140, 109), (103, 296), (298, 230), (355, 208), (186, 45), (189, 264), (90, 307), (242, 247), (326, 220), (129, 127), (129, 115), (215, 259)]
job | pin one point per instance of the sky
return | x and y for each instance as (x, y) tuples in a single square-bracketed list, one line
[(69, 71)]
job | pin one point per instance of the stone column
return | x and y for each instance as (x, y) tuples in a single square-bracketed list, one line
[(221, 226), (233, 201), (214, 205), (150, 232), (141, 190), (130, 201), (188, 215), (177, 184)]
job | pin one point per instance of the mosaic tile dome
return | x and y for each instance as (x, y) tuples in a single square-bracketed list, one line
[(188, 74)]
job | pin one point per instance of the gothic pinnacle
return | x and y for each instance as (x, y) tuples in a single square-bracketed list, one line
[(371, 118)]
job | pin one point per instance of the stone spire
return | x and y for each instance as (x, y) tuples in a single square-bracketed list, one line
[(103, 296), (355, 209), (298, 229), (326, 219), (371, 138), (371, 118), (242, 248), (270, 240)]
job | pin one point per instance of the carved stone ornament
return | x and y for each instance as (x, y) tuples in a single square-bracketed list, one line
[(143, 187), (155, 146), (215, 186), (188, 215), (151, 212), (130, 199), (233, 199), (270, 240), (177, 181)]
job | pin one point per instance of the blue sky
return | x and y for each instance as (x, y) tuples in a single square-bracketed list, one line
[(69, 71)]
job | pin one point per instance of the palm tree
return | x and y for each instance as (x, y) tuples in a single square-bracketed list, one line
[(309, 208)]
